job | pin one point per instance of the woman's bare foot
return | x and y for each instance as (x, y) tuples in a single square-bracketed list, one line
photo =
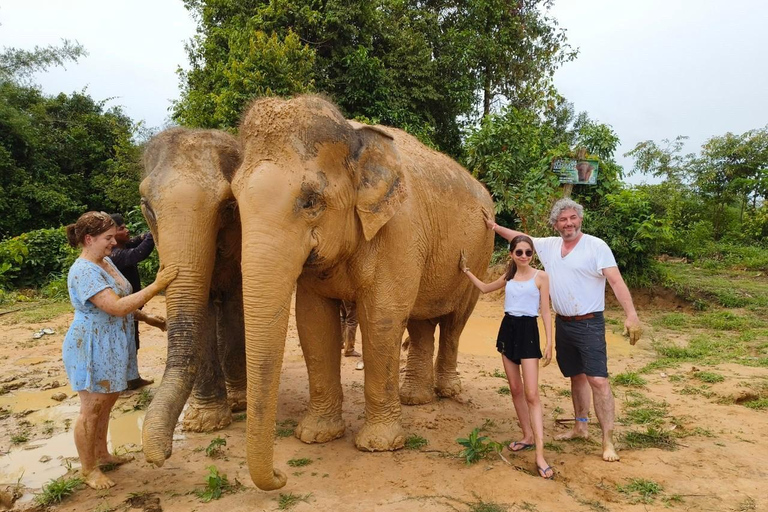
[(114, 460), (97, 480)]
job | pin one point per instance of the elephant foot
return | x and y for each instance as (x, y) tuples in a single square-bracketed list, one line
[(448, 387), (206, 418), (380, 437), (317, 429), (411, 394), (237, 399)]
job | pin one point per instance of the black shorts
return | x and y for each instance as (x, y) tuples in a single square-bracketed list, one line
[(580, 346), (519, 338)]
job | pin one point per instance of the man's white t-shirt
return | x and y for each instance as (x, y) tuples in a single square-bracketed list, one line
[(577, 283)]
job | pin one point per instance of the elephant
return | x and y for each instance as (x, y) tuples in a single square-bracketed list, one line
[(341, 211), (188, 203)]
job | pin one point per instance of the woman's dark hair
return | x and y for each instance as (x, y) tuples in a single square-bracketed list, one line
[(512, 269), (89, 223)]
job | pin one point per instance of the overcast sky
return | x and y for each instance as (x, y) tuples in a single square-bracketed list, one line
[(653, 69)]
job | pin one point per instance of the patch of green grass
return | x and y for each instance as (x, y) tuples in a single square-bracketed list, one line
[(213, 449), (286, 428), (709, 377), (241, 416), (641, 490), (629, 379), (485, 506), (42, 312), (56, 490), (498, 374), (676, 378), (653, 437), (143, 400), (415, 442), (216, 484), (297, 463), (20, 437), (504, 390), (554, 447), (48, 427), (758, 405), (290, 500), (725, 321), (564, 392), (674, 321)]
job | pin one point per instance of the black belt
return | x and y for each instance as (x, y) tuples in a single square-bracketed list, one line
[(576, 318)]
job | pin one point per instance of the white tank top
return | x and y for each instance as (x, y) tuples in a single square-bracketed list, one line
[(521, 298)]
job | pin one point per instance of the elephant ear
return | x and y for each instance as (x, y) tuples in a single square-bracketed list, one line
[(379, 178)]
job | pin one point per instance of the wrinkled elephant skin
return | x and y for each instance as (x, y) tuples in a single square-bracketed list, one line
[(344, 211), (188, 203)]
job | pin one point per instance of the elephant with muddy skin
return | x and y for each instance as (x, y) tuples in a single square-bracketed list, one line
[(189, 206), (344, 211)]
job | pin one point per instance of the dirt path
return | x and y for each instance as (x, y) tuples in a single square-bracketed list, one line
[(716, 465)]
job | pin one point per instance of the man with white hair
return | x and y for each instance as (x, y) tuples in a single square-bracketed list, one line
[(579, 265)]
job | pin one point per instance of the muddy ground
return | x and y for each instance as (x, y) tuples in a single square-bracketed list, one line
[(711, 458)]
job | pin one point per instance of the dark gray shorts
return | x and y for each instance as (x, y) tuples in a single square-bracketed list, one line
[(580, 346)]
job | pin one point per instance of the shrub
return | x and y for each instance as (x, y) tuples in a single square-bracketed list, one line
[(35, 258)]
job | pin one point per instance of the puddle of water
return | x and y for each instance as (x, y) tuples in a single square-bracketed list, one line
[(31, 361), (23, 464), (479, 336)]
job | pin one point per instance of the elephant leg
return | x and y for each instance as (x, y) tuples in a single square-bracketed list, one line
[(382, 330), (317, 320), (447, 382), (419, 379), (208, 409), (230, 334)]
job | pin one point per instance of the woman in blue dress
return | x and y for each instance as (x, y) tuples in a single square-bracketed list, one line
[(526, 294), (98, 350)]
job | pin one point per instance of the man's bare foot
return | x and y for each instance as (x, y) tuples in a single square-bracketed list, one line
[(354, 353), (114, 460), (572, 434), (97, 480), (609, 452)]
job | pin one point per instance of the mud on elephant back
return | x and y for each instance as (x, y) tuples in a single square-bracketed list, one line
[(345, 211), (189, 206)]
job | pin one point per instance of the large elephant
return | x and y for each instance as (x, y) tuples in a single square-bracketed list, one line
[(189, 206), (344, 211)]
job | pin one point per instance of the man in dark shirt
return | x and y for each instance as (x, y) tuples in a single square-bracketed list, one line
[(126, 256)]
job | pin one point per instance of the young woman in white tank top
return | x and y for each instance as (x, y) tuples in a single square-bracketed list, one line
[(526, 293)]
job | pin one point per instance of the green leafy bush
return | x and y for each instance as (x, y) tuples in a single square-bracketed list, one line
[(35, 258)]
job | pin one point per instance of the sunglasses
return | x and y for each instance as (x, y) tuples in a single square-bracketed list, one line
[(519, 252)]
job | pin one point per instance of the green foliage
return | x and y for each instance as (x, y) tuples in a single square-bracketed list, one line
[(214, 448), (35, 258), (652, 437), (290, 500), (477, 447), (298, 463), (504, 390), (56, 490), (286, 428), (709, 377), (19, 66), (415, 442), (20, 437), (143, 400), (216, 484)]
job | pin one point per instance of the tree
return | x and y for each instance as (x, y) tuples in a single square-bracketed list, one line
[(18, 65)]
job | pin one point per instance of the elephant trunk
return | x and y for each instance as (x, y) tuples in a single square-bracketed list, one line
[(187, 308), (270, 270)]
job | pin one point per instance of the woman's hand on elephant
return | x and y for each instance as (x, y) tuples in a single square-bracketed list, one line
[(166, 275), (463, 262), (489, 222)]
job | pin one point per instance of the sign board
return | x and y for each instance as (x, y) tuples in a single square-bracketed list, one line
[(575, 171)]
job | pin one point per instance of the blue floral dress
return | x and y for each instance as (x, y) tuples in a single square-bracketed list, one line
[(99, 350)]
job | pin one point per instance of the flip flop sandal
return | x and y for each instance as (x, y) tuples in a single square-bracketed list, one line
[(543, 472), (37, 335), (359, 366), (48, 330), (523, 446)]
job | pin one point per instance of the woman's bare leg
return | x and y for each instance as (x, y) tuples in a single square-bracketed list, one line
[(521, 407), (87, 430), (530, 369)]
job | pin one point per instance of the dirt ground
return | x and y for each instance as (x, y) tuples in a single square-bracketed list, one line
[(717, 463)]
